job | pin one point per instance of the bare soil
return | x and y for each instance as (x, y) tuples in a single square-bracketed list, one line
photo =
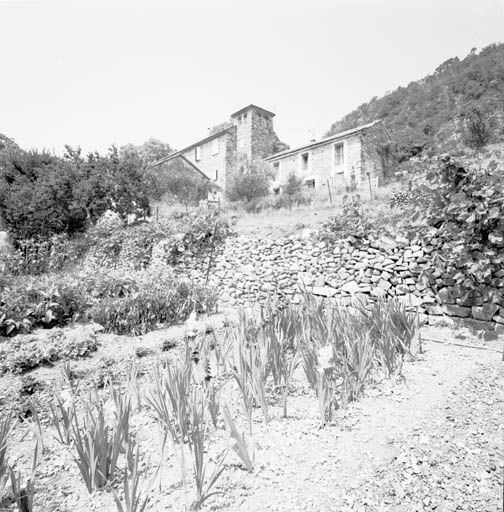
[(428, 439)]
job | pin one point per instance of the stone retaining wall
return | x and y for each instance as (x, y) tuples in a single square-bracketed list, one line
[(248, 270)]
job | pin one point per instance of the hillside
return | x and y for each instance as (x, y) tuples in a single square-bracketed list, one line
[(428, 113)]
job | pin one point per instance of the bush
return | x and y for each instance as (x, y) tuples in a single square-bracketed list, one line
[(466, 214), (27, 352), (42, 195), (150, 298), (250, 184), (26, 304)]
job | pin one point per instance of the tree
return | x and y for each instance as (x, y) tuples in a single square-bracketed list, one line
[(178, 180), (477, 132), (292, 188), (42, 194), (149, 152), (250, 183)]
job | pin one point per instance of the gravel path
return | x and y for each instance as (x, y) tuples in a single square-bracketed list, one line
[(434, 442), (430, 440)]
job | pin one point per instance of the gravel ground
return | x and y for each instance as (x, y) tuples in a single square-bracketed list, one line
[(430, 439)]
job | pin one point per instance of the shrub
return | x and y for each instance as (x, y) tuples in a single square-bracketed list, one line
[(29, 303), (25, 352), (466, 214), (251, 183), (158, 301)]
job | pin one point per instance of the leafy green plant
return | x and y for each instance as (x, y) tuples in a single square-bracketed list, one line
[(23, 353), (23, 496), (99, 444), (6, 425), (239, 445), (168, 397), (283, 333), (197, 440), (62, 418), (133, 500), (213, 404)]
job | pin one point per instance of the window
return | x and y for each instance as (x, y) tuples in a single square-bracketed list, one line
[(338, 154), (215, 146), (310, 183), (276, 169), (305, 161), (197, 153)]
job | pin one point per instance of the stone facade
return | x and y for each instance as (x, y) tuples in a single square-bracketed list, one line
[(336, 162), (214, 156), (249, 135), (339, 161)]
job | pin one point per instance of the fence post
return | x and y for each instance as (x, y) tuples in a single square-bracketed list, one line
[(329, 189)]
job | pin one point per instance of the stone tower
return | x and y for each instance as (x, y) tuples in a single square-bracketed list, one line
[(255, 137)]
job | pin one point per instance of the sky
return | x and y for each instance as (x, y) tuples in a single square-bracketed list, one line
[(95, 74)]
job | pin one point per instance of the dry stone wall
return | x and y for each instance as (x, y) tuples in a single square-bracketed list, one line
[(247, 271)]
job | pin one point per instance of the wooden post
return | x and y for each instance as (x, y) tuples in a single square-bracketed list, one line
[(211, 252), (370, 188), (329, 188), (157, 213)]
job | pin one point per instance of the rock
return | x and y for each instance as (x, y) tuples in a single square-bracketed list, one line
[(446, 296), (499, 319), (435, 309), (402, 289), (351, 287), (384, 285), (452, 310), (485, 312), (378, 292), (410, 300), (324, 291)]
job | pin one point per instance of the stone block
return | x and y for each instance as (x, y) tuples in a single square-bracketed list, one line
[(435, 309), (452, 310), (485, 312), (378, 292), (383, 284), (402, 289), (446, 296), (351, 287), (324, 291)]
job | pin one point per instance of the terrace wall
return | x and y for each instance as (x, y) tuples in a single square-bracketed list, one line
[(247, 271)]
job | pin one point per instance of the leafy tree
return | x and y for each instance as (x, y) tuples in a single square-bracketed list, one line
[(42, 194), (293, 188), (150, 151), (250, 183), (176, 179), (424, 115), (477, 132)]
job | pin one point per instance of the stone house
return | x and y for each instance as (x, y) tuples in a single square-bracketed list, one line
[(248, 135), (340, 160), (343, 160)]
